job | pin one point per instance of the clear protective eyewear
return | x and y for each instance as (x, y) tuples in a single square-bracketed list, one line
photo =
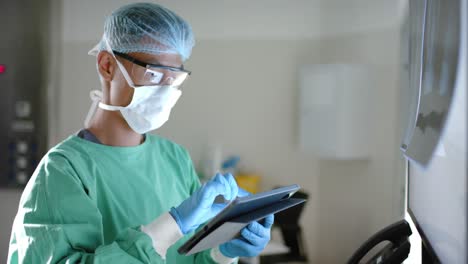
[(147, 74)]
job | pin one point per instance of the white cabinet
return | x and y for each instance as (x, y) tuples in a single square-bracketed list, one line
[(334, 110)]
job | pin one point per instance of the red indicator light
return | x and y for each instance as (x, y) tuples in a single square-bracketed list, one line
[(2, 68)]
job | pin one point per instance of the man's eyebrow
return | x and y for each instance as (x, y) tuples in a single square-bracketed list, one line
[(156, 62), (152, 61)]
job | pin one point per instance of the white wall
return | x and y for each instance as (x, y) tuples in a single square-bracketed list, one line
[(359, 198), (243, 93), (246, 19)]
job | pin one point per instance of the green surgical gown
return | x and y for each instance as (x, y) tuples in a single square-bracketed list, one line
[(85, 203)]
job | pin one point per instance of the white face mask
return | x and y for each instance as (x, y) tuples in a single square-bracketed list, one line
[(150, 106), (149, 109)]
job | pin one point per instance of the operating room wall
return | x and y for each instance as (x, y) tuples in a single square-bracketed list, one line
[(357, 198)]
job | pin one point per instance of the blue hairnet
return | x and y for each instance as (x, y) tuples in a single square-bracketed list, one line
[(148, 28)]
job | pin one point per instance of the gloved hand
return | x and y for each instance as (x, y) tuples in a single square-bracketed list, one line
[(200, 207), (242, 193), (254, 239)]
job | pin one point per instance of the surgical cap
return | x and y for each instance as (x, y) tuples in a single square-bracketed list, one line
[(148, 28)]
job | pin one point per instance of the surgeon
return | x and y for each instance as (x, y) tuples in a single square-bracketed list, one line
[(113, 193)]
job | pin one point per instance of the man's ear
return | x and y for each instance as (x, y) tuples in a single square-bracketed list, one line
[(106, 65)]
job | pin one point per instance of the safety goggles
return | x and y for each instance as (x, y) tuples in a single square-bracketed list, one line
[(147, 74)]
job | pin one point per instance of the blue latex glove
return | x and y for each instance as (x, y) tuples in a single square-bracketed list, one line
[(200, 207), (254, 239), (242, 193)]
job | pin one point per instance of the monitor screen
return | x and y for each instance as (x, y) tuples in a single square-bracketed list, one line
[(438, 188)]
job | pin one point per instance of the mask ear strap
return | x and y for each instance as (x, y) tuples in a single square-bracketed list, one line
[(121, 67), (96, 97), (109, 107)]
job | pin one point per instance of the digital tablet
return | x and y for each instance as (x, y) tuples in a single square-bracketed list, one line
[(239, 213)]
